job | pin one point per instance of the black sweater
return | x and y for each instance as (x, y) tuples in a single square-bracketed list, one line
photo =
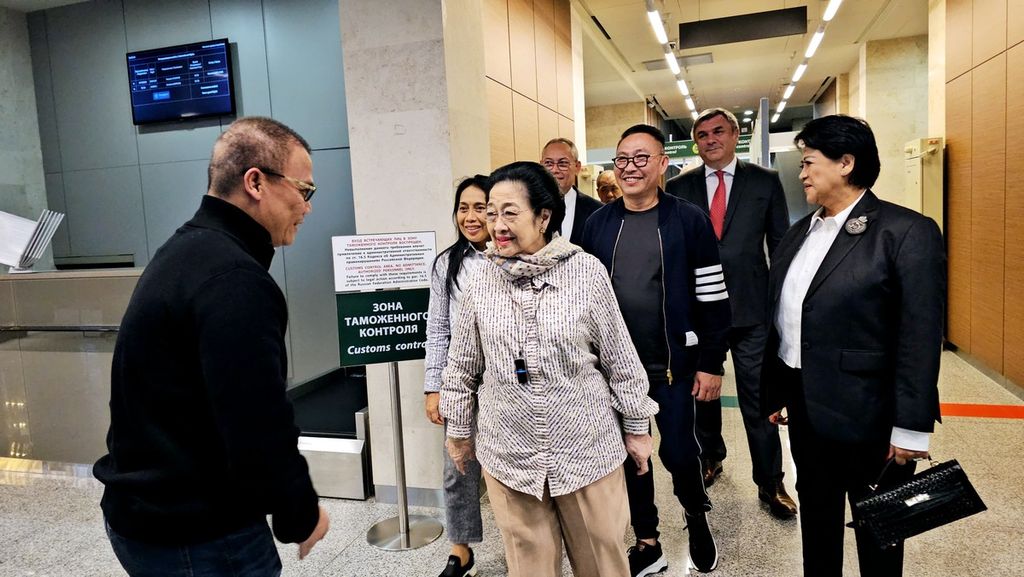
[(202, 439)]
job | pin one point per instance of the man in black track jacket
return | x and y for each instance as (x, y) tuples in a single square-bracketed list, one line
[(662, 255)]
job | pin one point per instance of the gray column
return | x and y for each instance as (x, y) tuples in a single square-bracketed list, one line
[(417, 115), (22, 185)]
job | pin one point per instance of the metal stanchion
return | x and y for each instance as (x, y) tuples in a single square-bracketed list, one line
[(402, 532)]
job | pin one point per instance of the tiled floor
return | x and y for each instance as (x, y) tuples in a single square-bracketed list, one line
[(50, 523)]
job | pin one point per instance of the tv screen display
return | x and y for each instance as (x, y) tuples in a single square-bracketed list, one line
[(179, 82)]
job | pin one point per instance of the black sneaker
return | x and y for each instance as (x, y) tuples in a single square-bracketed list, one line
[(703, 551), (455, 568), (646, 559)]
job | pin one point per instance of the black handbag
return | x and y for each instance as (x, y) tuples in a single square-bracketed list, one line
[(932, 498)]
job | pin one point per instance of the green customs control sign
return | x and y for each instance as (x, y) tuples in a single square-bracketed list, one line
[(382, 326), (379, 282)]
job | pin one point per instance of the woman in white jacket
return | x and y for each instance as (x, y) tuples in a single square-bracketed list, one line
[(540, 346)]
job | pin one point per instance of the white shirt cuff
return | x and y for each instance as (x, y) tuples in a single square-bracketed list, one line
[(910, 440)]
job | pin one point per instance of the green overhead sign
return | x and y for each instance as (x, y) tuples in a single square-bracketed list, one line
[(688, 148)]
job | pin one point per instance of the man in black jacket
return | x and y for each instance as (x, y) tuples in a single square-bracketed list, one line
[(662, 258), (202, 441), (747, 207), (561, 158)]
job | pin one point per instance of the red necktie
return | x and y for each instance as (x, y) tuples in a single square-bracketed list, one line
[(718, 205)]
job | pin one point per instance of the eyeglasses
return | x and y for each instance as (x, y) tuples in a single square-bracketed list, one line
[(508, 215), (561, 164), (306, 189), (639, 161)]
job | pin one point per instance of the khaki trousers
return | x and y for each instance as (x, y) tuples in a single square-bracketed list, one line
[(592, 522)]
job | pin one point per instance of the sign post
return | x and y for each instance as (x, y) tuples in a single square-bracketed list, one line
[(388, 325)]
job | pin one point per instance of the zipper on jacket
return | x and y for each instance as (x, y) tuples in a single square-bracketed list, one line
[(615, 247), (664, 312)]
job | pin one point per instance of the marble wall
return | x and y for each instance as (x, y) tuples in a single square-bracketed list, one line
[(22, 185), (937, 68), (606, 123), (890, 91), (414, 76)]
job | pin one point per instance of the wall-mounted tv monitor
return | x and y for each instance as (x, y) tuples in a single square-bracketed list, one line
[(181, 82)]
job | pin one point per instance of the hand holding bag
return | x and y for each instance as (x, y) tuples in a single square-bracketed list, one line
[(932, 498)]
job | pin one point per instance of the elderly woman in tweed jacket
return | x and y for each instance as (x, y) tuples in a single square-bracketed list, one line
[(562, 397)]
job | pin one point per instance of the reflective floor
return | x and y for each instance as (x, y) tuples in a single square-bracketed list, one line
[(50, 522)]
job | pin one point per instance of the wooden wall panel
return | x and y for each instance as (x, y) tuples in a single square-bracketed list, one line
[(1014, 23), (1013, 345), (566, 128), (958, 210), (497, 64), (527, 134), (989, 18), (563, 57), (544, 33), (988, 217), (548, 126), (959, 39), (499, 107), (522, 48)]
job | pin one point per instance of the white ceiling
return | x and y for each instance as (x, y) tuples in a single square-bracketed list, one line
[(742, 72), (33, 5)]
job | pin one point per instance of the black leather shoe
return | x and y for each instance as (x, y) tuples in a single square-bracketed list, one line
[(712, 470), (779, 502)]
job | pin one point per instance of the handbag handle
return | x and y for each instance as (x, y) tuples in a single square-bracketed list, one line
[(878, 481)]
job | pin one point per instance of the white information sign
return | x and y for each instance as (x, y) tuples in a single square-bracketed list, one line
[(366, 262)]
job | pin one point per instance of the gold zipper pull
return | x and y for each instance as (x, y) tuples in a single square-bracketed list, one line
[(668, 373)]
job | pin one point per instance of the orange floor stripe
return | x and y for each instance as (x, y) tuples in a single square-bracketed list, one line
[(989, 411)]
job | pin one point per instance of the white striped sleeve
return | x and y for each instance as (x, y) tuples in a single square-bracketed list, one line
[(710, 284)]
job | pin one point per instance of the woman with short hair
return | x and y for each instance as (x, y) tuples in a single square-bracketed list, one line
[(562, 397)]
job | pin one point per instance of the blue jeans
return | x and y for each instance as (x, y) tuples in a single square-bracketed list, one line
[(248, 552)]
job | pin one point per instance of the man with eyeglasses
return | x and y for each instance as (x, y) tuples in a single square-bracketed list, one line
[(202, 441), (748, 210), (662, 256), (561, 159)]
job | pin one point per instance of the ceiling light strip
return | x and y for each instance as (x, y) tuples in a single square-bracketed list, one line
[(812, 47), (670, 57)]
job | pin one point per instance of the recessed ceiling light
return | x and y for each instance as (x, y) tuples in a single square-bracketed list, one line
[(746, 119), (748, 112)]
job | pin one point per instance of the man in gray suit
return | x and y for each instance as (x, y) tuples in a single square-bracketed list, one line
[(748, 211)]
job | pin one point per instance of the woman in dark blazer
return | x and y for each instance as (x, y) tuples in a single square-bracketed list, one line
[(857, 299)]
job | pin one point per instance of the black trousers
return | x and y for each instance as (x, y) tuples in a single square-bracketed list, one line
[(828, 472), (747, 346), (679, 453)]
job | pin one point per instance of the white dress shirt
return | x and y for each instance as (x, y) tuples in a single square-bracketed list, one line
[(711, 179), (820, 236), (570, 212)]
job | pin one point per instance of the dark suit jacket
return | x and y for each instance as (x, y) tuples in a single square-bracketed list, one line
[(871, 331), (585, 206), (756, 214)]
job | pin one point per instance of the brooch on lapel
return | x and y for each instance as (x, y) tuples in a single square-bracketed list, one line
[(857, 225)]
